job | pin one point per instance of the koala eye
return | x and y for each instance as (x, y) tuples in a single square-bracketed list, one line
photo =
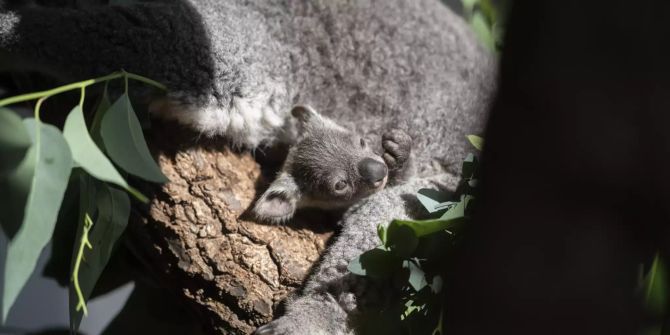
[(363, 144), (340, 186)]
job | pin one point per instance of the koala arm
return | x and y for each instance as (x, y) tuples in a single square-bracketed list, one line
[(332, 294)]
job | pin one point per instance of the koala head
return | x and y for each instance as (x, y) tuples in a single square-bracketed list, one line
[(328, 167)]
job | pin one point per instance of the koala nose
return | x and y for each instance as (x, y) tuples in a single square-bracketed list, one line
[(372, 171)]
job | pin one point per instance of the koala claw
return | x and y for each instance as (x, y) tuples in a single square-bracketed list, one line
[(397, 147)]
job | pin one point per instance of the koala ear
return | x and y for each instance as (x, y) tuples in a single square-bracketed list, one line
[(304, 113), (279, 202), (308, 119)]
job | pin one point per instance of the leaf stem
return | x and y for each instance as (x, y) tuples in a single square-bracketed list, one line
[(125, 81), (438, 329), (81, 97), (88, 224), (79, 85), (38, 105), (146, 81)]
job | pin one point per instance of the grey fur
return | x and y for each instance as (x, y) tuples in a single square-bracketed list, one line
[(333, 296), (330, 167), (235, 68)]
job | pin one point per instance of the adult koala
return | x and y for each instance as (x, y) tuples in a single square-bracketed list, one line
[(235, 69)]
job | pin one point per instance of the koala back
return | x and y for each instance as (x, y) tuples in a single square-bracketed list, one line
[(235, 68)]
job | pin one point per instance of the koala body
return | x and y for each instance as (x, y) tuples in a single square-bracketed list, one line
[(235, 68)]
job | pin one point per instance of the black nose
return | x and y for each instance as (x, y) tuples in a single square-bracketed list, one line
[(372, 171)]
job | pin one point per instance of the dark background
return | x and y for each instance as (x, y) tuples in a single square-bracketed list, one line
[(576, 173)]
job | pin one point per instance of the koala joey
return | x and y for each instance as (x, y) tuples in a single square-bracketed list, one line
[(331, 167)]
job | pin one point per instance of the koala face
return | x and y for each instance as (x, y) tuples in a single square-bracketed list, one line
[(328, 167)]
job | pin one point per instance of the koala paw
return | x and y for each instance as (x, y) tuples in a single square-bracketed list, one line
[(397, 147)]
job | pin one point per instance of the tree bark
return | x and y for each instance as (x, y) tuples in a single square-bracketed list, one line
[(197, 240)]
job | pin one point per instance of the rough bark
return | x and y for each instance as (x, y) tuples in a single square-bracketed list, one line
[(196, 239)]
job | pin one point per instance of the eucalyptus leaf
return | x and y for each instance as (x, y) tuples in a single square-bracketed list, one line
[(400, 239), (482, 30), (100, 111), (381, 232), (15, 188), (469, 5), (457, 212), (14, 141), (375, 263), (656, 288), (417, 278), (425, 227), (87, 154), (58, 266), (113, 208), (429, 204), (432, 200), (52, 163), (124, 141), (476, 142)]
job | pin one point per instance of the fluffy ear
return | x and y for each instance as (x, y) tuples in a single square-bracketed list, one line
[(280, 200), (307, 118), (304, 113), (310, 120)]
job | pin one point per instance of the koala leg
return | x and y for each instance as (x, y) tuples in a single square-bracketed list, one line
[(332, 295), (397, 147)]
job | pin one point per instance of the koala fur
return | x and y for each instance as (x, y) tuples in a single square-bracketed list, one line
[(235, 68), (331, 167)]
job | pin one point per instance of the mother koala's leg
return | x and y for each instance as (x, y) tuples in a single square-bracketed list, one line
[(332, 295)]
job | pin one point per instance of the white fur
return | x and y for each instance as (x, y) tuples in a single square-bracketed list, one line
[(247, 122)]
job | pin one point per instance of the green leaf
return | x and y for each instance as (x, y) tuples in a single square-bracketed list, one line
[(88, 156), (469, 5), (52, 160), (62, 240), (417, 278), (413, 309), (124, 142), (432, 200), (489, 10), (14, 141), (375, 263), (15, 187), (113, 208), (656, 288), (458, 211), (100, 111), (401, 240), (381, 232), (426, 227), (476, 142), (482, 30)]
